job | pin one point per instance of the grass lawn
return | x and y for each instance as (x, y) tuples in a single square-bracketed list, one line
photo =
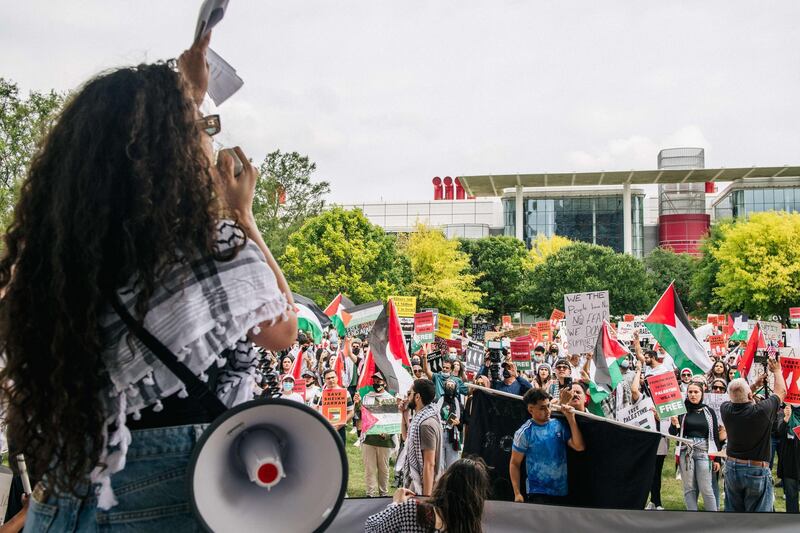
[(671, 488)]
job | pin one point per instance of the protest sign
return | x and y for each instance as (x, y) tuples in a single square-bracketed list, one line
[(640, 415), (473, 357), (384, 419), (455, 343), (445, 329), (625, 331), (334, 405), (555, 317), (771, 330), (506, 322), (407, 325), (716, 320), (794, 315), (628, 318), (543, 331), (436, 358), (479, 330), (714, 401), (423, 327), (363, 317), (521, 354), (791, 337), (586, 312), (790, 366), (718, 345), (666, 395), (644, 333), (456, 327), (300, 388), (406, 305)]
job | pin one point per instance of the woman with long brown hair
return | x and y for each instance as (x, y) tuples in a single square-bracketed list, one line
[(123, 203), (455, 506)]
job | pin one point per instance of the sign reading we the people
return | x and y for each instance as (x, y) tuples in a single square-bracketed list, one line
[(586, 312), (666, 395), (334, 405), (406, 305)]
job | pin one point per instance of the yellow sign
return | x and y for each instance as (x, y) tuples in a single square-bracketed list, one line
[(445, 330), (406, 305)]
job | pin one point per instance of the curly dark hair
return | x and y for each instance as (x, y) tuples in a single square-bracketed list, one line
[(120, 189)]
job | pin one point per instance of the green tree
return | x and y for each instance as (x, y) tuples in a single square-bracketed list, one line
[(543, 247), (582, 267), (23, 122), (665, 266), (759, 264), (704, 279), (440, 273), (341, 251), (285, 197), (499, 264)]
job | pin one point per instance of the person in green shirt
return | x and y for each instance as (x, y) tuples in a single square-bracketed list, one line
[(376, 449), (439, 378)]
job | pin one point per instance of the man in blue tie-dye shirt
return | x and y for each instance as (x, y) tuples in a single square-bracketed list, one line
[(543, 442)]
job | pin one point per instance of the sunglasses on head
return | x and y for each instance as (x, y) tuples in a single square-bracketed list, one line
[(210, 124)]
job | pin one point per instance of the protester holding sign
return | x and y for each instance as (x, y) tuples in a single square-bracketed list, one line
[(542, 442), (338, 413), (699, 424), (376, 449), (439, 378), (748, 480)]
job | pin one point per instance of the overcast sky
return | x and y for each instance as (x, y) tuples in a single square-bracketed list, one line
[(384, 95)]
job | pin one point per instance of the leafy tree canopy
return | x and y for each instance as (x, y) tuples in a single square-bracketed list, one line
[(665, 266), (499, 263)]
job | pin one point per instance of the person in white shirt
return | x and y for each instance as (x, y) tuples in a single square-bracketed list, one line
[(312, 389), (287, 390)]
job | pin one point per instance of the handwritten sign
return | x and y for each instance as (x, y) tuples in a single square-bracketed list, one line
[(586, 312), (625, 330), (423, 327), (334, 405), (639, 415), (521, 354), (666, 395), (405, 305), (715, 400), (445, 329), (771, 330)]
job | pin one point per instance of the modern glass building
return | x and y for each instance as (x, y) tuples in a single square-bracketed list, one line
[(593, 216), (741, 199)]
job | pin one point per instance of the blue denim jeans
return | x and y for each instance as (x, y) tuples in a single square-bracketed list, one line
[(696, 476), (152, 490), (748, 489)]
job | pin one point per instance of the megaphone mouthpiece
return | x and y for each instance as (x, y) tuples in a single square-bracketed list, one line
[(260, 452)]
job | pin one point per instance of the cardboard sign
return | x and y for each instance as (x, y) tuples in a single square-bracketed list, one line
[(521, 354), (586, 312), (423, 327), (388, 419), (625, 330), (445, 329), (406, 305), (334, 405), (543, 331), (718, 345), (771, 330), (628, 318), (639, 415), (555, 317), (473, 356), (666, 395), (507, 322), (794, 315), (790, 366)]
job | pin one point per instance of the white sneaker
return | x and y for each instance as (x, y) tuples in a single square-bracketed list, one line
[(649, 506), (659, 508)]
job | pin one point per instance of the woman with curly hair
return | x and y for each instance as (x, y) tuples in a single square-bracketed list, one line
[(123, 203)]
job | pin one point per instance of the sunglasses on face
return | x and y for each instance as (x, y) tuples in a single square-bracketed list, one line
[(718, 389), (210, 124)]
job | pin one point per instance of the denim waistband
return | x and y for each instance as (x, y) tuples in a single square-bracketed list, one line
[(164, 441)]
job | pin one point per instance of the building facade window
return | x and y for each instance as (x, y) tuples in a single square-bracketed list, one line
[(592, 219), (743, 202)]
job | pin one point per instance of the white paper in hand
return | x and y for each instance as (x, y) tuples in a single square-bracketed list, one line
[(211, 12), (222, 78)]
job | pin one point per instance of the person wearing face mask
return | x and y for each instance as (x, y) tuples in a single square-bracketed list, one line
[(439, 378), (376, 448), (287, 390), (450, 412)]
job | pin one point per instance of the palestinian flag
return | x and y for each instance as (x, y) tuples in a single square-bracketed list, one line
[(754, 343), (670, 326), (604, 373), (365, 379), (310, 317), (297, 367), (729, 328), (339, 317), (388, 348)]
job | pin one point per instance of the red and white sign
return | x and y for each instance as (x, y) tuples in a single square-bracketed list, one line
[(628, 318), (507, 322), (718, 345), (791, 374), (794, 315), (555, 317), (543, 333)]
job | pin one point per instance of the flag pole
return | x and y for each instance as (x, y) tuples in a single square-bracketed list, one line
[(555, 407)]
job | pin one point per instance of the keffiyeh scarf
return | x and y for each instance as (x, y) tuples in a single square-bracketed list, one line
[(412, 469), (202, 311)]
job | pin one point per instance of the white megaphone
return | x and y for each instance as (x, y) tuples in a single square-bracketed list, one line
[(268, 465)]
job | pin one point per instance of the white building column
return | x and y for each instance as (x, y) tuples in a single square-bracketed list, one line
[(627, 226), (518, 233)]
